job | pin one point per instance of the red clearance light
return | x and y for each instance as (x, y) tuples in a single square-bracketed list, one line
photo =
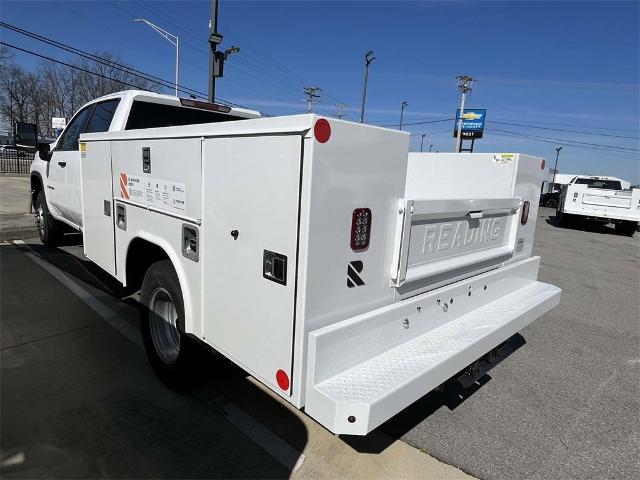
[(322, 130), (283, 379), (542, 164), (360, 229), (185, 102), (525, 212)]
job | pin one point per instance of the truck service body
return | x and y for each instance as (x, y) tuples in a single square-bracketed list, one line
[(601, 199), (58, 178), (345, 274)]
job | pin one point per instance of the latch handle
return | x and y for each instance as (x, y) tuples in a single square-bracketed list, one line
[(476, 214)]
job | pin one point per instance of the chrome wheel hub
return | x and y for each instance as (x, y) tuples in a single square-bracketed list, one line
[(40, 218), (163, 325)]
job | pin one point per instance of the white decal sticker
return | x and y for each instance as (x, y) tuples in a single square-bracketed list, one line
[(154, 192)]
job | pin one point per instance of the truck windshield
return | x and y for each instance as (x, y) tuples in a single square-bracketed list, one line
[(604, 184), (153, 115)]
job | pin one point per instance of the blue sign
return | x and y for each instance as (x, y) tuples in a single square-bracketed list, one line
[(472, 122)]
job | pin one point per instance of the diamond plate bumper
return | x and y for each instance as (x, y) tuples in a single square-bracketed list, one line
[(366, 369)]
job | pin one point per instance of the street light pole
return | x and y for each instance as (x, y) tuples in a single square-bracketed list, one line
[(430, 147), (403, 105), (422, 141), (173, 39), (368, 58), (555, 169)]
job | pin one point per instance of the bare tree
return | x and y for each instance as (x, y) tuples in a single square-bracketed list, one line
[(56, 90)]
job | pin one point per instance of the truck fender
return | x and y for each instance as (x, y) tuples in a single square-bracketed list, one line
[(176, 261)]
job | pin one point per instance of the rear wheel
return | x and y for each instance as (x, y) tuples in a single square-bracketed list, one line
[(551, 203), (49, 229), (169, 349), (626, 228)]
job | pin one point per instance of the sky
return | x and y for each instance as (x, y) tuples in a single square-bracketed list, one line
[(561, 71)]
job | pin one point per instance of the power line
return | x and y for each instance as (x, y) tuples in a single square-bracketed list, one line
[(561, 130), (566, 140), (418, 123), (570, 125), (110, 63), (69, 65), (97, 59), (615, 153)]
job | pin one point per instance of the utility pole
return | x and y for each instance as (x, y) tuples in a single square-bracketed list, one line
[(555, 169), (403, 105), (312, 94), (341, 107), (422, 141), (214, 40), (464, 85), (368, 58)]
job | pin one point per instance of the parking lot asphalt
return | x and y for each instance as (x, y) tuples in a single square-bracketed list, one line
[(567, 403), (79, 399)]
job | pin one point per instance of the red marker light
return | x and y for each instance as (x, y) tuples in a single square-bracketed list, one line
[(525, 212), (283, 380), (542, 164), (322, 130)]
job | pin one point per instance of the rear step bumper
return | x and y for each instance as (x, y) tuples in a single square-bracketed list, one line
[(366, 369)]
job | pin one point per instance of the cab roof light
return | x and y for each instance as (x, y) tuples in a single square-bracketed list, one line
[(214, 107), (360, 229)]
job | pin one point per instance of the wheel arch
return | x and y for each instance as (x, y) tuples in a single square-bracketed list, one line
[(143, 250), (37, 185)]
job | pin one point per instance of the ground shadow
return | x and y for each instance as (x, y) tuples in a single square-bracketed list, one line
[(110, 417), (450, 394), (583, 225), (81, 268)]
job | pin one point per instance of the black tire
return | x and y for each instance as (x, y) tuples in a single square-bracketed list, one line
[(49, 229), (551, 203), (626, 228), (170, 350)]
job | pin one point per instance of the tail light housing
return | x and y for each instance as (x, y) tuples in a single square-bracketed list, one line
[(524, 216), (360, 229)]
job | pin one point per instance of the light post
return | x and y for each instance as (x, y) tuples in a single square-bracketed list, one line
[(430, 147), (403, 105), (173, 39), (555, 169), (368, 58), (422, 141)]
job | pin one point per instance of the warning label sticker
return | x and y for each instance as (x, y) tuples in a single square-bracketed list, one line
[(504, 158), (153, 192)]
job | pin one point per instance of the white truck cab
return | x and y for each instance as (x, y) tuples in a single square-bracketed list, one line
[(55, 175), (600, 199)]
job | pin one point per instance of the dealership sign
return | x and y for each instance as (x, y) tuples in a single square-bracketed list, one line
[(472, 122)]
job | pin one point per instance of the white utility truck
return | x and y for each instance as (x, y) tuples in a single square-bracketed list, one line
[(345, 274), (600, 199), (55, 171)]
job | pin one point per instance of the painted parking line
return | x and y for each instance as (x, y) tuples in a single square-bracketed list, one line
[(290, 457)]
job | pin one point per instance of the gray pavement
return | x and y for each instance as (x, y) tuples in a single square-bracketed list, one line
[(15, 201), (79, 399), (567, 403)]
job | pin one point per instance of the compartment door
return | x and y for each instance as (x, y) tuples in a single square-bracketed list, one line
[(97, 204), (251, 189)]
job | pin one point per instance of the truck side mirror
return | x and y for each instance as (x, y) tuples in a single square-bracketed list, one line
[(44, 151), (25, 136)]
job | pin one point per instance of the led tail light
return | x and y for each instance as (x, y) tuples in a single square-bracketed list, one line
[(525, 212), (360, 229)]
